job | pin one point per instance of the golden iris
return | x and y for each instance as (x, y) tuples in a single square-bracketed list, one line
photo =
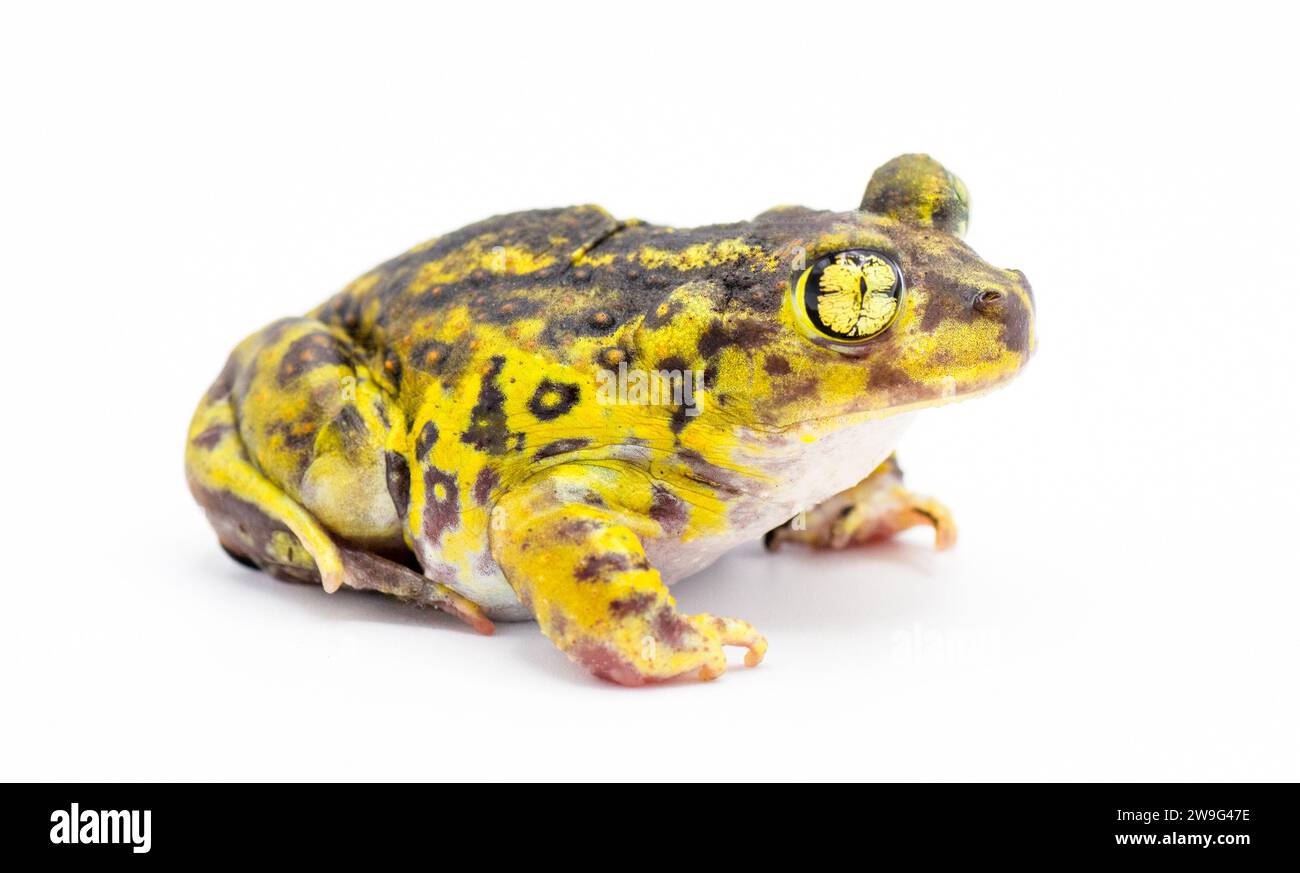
[(851, 296)]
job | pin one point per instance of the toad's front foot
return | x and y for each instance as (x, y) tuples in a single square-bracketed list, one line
[(583, 572), (875, 509), (659, 644)]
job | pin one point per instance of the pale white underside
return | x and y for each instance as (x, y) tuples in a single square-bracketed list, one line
[(812, 473), (802, 474)]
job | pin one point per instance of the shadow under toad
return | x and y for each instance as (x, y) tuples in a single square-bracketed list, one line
[(860, 591)]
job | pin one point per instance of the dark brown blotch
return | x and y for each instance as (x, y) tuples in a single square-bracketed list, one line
[(209, 437), (605, 663), (668, 509), (601, 568), (947, 299), (309, 352), (484, 483), (297, 436), (553, 399), (398, 474), (745, 334), (560, 447), (634, 604), (425, 441), (671, 628), (775, 365), (1016, 320), (576, 530), (680, 418), (350, 425), (440, 512), (381, 413), (487, 429), (707, 473), (344, 311)]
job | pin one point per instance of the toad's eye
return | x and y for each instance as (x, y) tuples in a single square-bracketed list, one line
[(849, 297)]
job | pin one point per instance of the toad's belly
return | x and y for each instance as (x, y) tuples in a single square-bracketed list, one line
[(813, 473)]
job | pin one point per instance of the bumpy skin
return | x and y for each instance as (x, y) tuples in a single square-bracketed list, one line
[(436, 431)]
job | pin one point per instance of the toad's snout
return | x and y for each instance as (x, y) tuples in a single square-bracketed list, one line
[(1011, 304)]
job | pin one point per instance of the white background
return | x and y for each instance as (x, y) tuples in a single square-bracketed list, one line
[(1122, 604)]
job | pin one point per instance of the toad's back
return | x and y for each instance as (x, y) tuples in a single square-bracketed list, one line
[(554, 280)]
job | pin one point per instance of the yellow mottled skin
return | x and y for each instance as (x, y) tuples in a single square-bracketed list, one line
[(435, 430)]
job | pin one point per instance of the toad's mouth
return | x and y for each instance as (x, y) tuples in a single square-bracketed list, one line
[(949, 390)]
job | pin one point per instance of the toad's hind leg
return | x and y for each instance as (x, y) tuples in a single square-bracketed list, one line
[(577, 564), (321, 521), (875, 509)]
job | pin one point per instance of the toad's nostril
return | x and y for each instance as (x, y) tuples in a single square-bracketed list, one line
[(988, 300)]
